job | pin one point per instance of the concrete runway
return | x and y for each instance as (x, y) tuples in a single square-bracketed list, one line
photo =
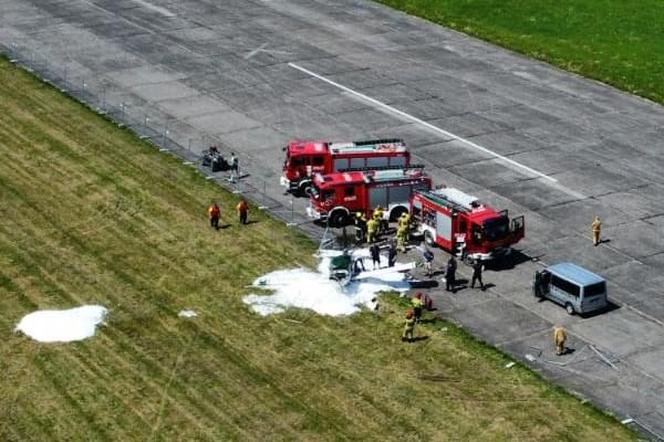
[(516, 133)]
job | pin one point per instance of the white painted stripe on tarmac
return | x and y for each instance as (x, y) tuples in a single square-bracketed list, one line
[(437, 129), (159, 9)]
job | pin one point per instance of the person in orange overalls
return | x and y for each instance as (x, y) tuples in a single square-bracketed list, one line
[(214, 212), (242, 210)]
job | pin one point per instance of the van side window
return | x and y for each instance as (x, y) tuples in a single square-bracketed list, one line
[(349, 191), (565, 285), (318, 161)]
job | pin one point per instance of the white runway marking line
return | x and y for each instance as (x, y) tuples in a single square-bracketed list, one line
[(155, 8), (425, 124)]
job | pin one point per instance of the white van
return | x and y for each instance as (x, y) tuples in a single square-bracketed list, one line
[(577, 289)]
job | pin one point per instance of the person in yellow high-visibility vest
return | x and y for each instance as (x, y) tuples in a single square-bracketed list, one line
[(402, 235), (418, 304), (559, 338), (404, 220), (378, 216), (372, 227), (596, 228)]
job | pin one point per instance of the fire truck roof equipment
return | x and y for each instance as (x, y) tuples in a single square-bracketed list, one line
[(454, 198), (375, 176), (387, 145)]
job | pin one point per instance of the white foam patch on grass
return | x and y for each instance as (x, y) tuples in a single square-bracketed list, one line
[(62, 325), (314, 290), (187, 314)]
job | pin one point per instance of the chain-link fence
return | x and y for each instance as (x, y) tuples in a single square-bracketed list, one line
[(155, 127)]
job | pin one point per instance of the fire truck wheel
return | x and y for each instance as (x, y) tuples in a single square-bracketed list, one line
[(338, 218), (303, 188), (428, 239), (569, 308)]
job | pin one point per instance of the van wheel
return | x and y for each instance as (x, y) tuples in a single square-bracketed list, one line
[(569, 308), (428, 239), (396, 213), (338, 218)]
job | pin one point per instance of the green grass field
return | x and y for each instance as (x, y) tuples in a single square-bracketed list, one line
[(618, 42), (91, 215)]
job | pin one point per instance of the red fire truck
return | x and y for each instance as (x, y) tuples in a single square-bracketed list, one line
[(306, 158), (461, 224), (336, 196)]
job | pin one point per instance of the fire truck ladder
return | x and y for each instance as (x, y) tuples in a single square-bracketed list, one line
[(395, 167), (438, 199), (379, 141), (366, 143)]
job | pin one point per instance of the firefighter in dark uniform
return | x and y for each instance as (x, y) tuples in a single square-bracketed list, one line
[(450, 274), (477, 274)]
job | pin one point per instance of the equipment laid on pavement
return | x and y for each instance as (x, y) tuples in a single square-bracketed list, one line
[(304, 159), (214, 160), (335, 196), (459, 223)]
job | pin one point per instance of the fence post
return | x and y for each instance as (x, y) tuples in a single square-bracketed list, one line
[(236, 182), (163, 136), (103, 98), (264, 205), (292, 213)]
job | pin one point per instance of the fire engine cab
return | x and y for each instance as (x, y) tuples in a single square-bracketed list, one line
[(336, 196), (306, 158), (461, 224)]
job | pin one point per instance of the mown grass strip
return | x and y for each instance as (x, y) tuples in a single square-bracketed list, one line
[(93, 215), (614, 41)]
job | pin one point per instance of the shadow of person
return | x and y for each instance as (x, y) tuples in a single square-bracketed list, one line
[(420, 338)]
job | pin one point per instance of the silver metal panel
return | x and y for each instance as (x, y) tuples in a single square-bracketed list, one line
[(357, 162), (399, 194), (340, 163), (377, 161), (377, 196), (444, 226)]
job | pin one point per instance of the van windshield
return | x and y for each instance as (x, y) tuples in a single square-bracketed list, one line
[(594, 289), (496, 229)]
